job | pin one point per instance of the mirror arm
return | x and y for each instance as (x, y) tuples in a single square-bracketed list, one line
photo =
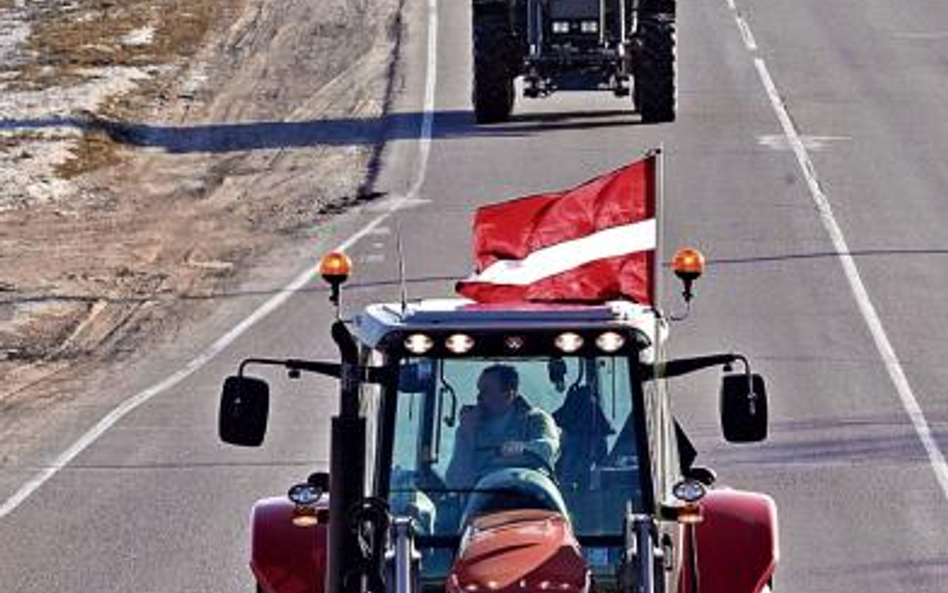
[(684, 366), (328, 369), (318, 367), (294, 366), (348, 349)]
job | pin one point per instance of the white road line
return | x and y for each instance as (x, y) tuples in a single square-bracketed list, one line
[(127, 406), (922, 36), (746, 33), (851, 271)]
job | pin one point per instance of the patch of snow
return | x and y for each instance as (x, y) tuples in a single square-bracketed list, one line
[(14, 31), (59, 102), (196, 78), (139, 37), (39, 129), (27, 168)]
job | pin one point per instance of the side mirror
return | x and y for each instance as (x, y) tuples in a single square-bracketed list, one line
[(744, 408), (319, 480), (702, 474), (242, 418)]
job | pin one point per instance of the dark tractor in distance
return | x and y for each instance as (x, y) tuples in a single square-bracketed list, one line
[(626, 47)]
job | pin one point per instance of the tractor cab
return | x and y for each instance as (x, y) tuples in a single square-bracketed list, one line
[(568, 437), (484, 448)]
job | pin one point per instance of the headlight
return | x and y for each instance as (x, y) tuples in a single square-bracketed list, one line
[(560, 26), (459, 343), (689, 491), (305, 494), (610, 341), (589, 27), (569, 342), (418, 343)]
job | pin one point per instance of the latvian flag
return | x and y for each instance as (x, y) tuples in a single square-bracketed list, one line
[(594, 243)]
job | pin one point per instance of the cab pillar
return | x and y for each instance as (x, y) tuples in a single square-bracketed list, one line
[(346, 470)]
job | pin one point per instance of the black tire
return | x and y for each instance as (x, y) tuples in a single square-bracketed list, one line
[(655, 93), (652, 8), (493, 92)]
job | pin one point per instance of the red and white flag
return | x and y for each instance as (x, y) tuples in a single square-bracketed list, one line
[(593, 243)]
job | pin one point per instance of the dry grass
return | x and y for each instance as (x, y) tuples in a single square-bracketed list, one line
[(182, 224), (69, 44), (11, 141), (94, 150)]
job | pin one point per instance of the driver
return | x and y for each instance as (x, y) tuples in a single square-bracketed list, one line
[(502, 430)]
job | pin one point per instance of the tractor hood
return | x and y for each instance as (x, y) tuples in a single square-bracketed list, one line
[(519, 551)]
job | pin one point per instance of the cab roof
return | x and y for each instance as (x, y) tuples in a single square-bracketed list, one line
[(379, 320)]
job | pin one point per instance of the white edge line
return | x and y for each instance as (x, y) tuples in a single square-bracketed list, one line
[(746, 34), (860, 293), (425, 136)]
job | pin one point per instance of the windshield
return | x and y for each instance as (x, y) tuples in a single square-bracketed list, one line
[(474, 436)]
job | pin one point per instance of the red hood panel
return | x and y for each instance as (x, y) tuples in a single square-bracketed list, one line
[(520, 552)]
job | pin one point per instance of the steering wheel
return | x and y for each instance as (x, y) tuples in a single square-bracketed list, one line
[(538, 462)]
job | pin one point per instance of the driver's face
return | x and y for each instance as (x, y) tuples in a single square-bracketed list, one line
[(491, 396)]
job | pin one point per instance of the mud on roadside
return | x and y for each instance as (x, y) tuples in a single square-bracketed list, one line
[(151, 150)]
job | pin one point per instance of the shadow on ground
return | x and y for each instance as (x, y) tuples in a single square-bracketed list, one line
[(234, 137)]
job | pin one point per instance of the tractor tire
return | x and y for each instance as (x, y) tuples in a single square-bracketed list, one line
[(493, 92), (653, 8), (655, 93)]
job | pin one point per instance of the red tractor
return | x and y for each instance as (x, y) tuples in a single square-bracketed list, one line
[(508, 449)]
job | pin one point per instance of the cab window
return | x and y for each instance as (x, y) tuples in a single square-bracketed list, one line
[(473, 436)]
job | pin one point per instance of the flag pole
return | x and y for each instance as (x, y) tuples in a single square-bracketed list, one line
[(659, 155)]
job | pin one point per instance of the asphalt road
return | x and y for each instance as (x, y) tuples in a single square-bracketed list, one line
[(156, 504)]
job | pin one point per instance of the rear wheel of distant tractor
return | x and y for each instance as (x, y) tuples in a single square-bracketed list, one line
[(655, 93), (493, 93)]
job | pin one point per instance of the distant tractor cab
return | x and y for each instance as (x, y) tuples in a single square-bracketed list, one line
[(526, 448), (625, 47)]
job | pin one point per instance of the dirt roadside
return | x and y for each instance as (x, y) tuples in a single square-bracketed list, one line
[(151, 151)]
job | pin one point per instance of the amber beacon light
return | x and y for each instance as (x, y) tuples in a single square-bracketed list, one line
[(335, 268), (688, 265)]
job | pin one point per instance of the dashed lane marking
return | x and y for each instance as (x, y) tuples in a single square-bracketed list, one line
[(868, 311)]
